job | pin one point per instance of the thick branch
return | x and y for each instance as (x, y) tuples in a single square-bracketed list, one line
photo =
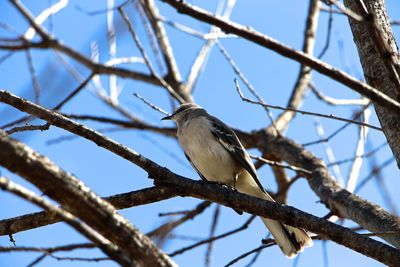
[(286, 214), (376, 70), (283, 148), (337, 199), (120, 201), (110, 249), (265, 41), (80, 201), (163, 41), (96, 68)]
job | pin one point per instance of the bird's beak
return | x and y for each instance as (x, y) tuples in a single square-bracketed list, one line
[(167, 118)]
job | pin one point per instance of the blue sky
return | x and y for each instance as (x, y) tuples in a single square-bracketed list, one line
[(273, 77)]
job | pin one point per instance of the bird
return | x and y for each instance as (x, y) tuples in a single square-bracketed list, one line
[(216, 153)]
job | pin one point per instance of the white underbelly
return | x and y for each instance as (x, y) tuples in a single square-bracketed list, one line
[(209, 157)]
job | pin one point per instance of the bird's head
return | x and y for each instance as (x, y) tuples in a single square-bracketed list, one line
[(182, 111)]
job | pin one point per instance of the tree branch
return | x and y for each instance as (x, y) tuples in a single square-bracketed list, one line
[(79, 200), (267, 42), (120, 201), (329, 191), (110, 249)]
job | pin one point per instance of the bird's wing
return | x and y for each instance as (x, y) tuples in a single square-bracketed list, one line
[(228, 139), (194, 167)]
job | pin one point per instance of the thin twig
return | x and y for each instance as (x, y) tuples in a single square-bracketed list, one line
[(372, 174), (109, 248), (366, 155), (284, 50), (329, 153), (274, 163), (146, 58), (151, 105), (202, 56), (304, 74), (328, 33), (303, 112), (152, 13), (112, 50), (206, 241), (41, 18), (247, 83), (29, 127), (333, 101), (346, 11), (151, 36), (340, 129), (35, 81), (37, 260), (212, 234), (162, 232), (244, 255), (355, 168), (74, 92)]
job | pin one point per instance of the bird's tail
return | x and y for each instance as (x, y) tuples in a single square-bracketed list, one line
[(291, 240)]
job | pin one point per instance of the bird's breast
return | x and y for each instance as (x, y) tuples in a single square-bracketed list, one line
[(209, 157)]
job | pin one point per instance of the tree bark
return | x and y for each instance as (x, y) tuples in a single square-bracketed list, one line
[(376, 72), (80, 201)]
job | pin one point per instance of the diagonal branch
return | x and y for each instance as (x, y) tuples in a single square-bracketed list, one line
[(152, 14), (284, 50), (120, 201), (336, 198), (113, 251), (79, 199), (304, 76)]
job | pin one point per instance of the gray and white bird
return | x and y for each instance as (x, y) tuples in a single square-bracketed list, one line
[(216, 153)]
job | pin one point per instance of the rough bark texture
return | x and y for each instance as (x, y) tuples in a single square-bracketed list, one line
[(66, 189), (120, 201), (335, 197), (291, 216), (375, 71)]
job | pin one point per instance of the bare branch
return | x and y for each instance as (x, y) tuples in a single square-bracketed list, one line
[(267, 42), (48, 12), (120, 201), (78, 199), (244, 255), (274, 163), (161, 80), (112, 50), (304, 75), (29, 127), (43, 34), (369, 216), (336, 102), (389, 56), (202, 57), (329, 153), (303, 112), (151, 105), (164, 230), (247, 83), (113, 251), (214, 224), (357, 163), (35, 82), (206, 241), (152, 14)]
